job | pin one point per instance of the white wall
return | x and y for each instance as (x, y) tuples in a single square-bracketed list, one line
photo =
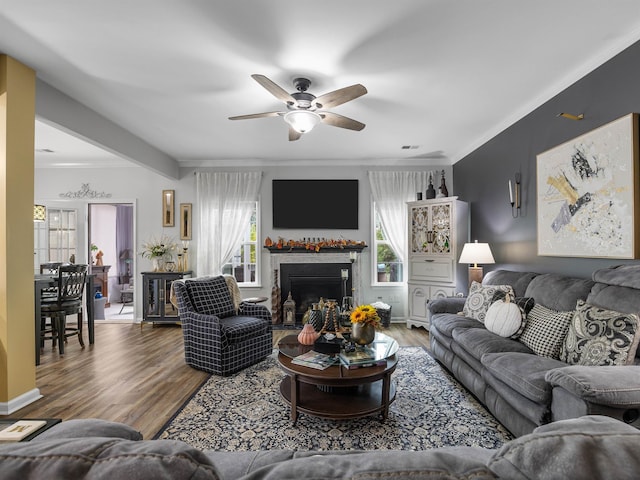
[(144, 188)]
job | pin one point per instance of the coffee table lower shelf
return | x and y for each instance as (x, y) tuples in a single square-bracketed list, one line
[(339, 403)]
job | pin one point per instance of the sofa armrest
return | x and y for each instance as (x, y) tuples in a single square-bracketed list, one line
[(447, 305), (89, 427), (582, 390)]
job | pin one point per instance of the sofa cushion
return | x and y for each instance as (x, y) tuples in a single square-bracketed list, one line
[(583, 448), (545, 330), (210, 296), (239, 328), (480, 298), (96, 457), (546, 289), (519, 281), (89, 427), (478, 341), (445, 323), (599, 337), (523, 372)]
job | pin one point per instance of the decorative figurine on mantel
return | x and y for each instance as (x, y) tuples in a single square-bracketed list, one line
[(443, 188)]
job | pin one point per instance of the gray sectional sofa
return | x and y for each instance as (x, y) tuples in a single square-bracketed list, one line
[(592, 447), (522, 389)]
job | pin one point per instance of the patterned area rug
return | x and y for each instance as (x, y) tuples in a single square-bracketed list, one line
[(246, 412)]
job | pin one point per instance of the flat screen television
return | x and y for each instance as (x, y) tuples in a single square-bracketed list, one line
[(315, 204)]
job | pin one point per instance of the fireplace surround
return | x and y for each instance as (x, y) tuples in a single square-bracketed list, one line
[(311, 275)]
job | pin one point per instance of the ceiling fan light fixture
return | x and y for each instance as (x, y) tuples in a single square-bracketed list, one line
[(302, 121)]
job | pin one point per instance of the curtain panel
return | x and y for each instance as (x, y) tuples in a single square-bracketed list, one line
[(225, 203), (390, 192)]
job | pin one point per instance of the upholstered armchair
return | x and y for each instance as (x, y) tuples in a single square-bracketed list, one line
[(221, 337)]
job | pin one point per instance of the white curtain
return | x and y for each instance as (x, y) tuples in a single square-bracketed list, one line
[(390, 192), (225, 202)]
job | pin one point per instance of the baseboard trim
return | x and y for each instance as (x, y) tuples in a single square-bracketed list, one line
[(21, 401)]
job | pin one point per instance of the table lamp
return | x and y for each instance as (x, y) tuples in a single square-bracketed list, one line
[(475, 253)]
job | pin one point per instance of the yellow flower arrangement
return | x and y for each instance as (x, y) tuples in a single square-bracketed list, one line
[(366, 315)]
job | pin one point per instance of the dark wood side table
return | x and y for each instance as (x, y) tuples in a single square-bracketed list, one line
[(336, 392), (101, 280)]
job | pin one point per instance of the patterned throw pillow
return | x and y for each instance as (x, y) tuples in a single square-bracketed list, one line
[(480, 298), (600, 337), (545, 331), (210, 296)]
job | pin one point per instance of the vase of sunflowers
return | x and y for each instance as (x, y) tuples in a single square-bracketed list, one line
[(364, 320)]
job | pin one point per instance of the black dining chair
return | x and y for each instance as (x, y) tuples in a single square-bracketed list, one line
[(68, 301)]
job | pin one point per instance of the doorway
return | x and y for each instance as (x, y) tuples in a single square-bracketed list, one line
[(111, 253)]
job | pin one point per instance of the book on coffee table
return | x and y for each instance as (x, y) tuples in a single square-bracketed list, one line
[(362, 356), (316, 360)]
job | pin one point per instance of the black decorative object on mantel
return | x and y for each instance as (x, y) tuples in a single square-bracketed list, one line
[(431, 192)]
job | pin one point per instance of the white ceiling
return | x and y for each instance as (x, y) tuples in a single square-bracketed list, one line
[(443, 76)]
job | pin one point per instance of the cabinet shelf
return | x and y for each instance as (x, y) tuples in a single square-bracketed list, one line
[(156, 290)]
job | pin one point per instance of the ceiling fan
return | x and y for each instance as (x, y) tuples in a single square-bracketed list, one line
[(305, 110)]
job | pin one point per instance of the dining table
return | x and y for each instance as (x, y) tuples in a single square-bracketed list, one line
[(42, 281)]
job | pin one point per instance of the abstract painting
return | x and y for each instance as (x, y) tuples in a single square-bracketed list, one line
[(588, 192)]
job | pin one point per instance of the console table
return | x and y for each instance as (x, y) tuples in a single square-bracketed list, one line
[(156, 288), (101, 280)]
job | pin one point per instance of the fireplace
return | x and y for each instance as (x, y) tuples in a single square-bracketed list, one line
[(307, 282)]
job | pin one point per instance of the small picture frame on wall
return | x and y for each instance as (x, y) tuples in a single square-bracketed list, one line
[(168, 208), (185, 221), (588, 192)]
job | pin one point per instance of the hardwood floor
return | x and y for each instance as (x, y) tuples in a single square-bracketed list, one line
[(132, 374)]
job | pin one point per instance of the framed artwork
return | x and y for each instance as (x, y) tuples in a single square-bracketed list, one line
[(185, 221), (588, 192), (168, 208)]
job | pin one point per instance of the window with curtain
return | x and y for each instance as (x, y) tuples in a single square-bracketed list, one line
[(243, 265), (389, 265), (390, 193), (227, 201)]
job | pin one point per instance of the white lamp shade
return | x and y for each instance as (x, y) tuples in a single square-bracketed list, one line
[(302, 121), (476, 253)]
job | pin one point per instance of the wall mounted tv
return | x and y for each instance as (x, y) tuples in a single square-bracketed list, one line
[(315, 204)]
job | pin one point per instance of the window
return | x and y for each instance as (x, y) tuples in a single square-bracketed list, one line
[(62, 234), (244, 262), (388, 267)]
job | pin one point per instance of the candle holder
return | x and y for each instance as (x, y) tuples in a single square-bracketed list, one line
[(514, 198)]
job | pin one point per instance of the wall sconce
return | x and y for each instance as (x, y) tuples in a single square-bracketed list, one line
[(168, 208), (514, 197), (39, 213), (475, 253), (571, 116)]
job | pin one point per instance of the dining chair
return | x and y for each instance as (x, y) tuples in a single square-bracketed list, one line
[(68, 301)]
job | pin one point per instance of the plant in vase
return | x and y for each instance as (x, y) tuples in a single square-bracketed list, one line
[(157, 250), (364, 321)]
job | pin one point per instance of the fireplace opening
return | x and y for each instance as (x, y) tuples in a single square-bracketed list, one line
[(307, 282)]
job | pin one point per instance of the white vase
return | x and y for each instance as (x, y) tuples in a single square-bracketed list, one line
[(158, 264)]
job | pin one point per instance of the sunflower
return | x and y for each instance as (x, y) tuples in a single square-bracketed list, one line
[(365, 314)]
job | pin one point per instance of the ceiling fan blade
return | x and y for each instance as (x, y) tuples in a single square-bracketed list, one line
[(256, 115), (293, 134), (274, 89), (340, 96), (336, 120)]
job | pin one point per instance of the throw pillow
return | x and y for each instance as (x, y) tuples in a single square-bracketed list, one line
[(600, 337), (504, 318), (210, 296), (480, 298), (545, 331)]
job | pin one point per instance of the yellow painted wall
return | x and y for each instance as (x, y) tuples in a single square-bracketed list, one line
[(17, 330)]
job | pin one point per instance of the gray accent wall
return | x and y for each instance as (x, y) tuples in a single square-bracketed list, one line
[(481, 178)]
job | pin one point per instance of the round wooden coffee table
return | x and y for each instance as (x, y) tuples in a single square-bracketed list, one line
[(338, 392)]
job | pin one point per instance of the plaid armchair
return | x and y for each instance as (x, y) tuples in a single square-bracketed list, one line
[(218, 338)]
